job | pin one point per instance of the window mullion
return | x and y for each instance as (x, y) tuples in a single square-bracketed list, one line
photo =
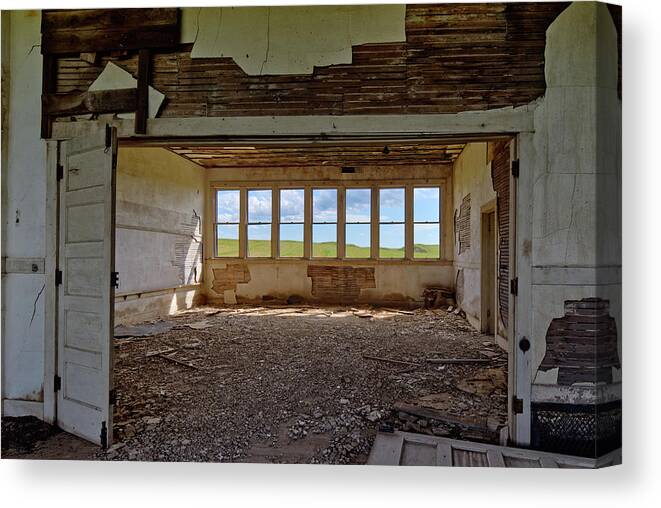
[(408, 222), (243, 223), (307, 230), (275, 222), (340, 232), (374, 224)]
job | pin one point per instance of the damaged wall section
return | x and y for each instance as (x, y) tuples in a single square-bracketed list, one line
[(340, 284), (472, 189), (160, 203)]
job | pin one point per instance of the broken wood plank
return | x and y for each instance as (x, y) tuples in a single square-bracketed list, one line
[(142, 102), (149, 354), (457, 360), (102, 101), (390, 360), (461, 421), (100, 19), (179, 362)]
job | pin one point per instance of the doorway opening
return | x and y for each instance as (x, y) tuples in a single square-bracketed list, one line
[(488, 269), (275, 291)]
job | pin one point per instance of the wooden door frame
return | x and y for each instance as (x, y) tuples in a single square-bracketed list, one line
[(514, 123)]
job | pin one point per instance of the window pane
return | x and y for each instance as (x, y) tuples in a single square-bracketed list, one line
[(426, 240), (228, 240), (291, 241), (359, 205), (324, 240), (227, 202), (292, 205), (259, 206), (259, 241), (324, 205), (391, 241), (358, 240), (426, 204), (391, 205)]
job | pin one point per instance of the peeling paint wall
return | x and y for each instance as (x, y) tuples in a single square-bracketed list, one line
[(471, 177), (23, 207), (160, 208), (291, 39), (576, 235)]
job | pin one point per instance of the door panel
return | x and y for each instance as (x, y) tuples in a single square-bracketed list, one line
[(86, 296)]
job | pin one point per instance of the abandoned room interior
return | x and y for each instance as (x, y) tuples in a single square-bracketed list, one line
[(379, 252)]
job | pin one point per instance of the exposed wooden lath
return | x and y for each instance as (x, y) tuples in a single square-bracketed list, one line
[(457, 57), (216, 156)]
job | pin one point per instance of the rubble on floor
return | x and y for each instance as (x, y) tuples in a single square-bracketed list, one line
[(293, 383), (20, 435)]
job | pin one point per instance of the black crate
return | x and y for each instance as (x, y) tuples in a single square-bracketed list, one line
[(582, 430)]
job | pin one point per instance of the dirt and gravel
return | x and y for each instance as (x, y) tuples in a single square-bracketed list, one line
[(291, 384)]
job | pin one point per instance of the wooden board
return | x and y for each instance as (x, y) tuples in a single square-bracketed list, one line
[(218, 156), (90, 30), (408, 449)]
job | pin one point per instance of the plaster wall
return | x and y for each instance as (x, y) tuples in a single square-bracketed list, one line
[(576, 207), (289, 39), (397, 282), (160, 207), (472, 175), (23, 211)]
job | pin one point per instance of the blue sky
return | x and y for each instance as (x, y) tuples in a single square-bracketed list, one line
[(324, 210)]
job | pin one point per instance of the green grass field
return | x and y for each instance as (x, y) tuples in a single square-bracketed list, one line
[(290, 248)]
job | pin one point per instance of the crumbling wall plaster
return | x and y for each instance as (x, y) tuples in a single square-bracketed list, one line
[(289, 39), (576, 219)]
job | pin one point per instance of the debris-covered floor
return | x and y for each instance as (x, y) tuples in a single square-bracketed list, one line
[(296, 384)]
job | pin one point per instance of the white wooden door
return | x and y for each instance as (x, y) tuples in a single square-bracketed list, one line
[(86, 292)]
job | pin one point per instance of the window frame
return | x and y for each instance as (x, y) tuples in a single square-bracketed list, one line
[(406, 188), (338, 205), (248, 190), (303, 222), (346, 222), (439, 223), (217, 191), (341, 187)]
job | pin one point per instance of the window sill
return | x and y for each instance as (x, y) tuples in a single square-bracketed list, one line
[(335, 261)]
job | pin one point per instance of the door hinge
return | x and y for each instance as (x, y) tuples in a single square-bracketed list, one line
[(58, 277), (112, 397), (60, 172), (104, 435), (57, 383), (517, 405), (515, 168), (114, 279), (514, 286)]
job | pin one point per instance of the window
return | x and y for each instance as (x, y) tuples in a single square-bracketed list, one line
[(324, 223), (426, 222), (259, 223), (227, 223), (358, 227), (292, 223), (392, 215)]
